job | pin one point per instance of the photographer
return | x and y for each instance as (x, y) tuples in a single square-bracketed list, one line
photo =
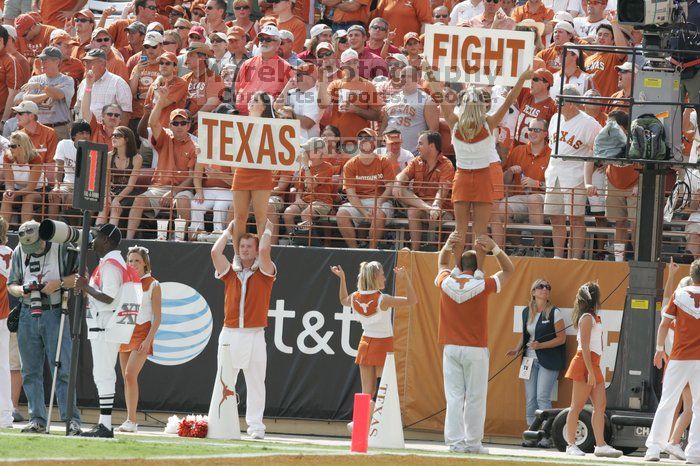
[(40, 270)]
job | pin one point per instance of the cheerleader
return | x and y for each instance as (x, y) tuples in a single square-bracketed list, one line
[(251, 186), (373, 310), (586, 373), (474, 141), (132, 356)]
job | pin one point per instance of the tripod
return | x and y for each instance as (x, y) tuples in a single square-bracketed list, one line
[(57, 362)]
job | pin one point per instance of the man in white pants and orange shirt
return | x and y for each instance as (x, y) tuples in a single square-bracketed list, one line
[(246, 304), (682, 368), (463, 330)]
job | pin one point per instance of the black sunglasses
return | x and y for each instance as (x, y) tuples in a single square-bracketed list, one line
[(169, 43), (267, 39), (218, 41), (441, 16), (114, 115), (539, 80), (14, 146), (543, 286), (240, 8), (82, 20), (535, 130), (378, 28), (162, 62), (104, 39), (492, 1), (179, 123), (343, 40), (183, 28), (324, 55), (150, 47), (176, 14), (22, 113)]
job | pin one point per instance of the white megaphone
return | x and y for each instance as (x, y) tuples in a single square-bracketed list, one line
[(385, 428), (223, 410)]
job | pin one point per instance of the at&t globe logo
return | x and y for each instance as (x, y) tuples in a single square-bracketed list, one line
[(185, 326)]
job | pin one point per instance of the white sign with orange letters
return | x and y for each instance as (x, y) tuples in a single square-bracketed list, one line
[(478, 56), (248, 142)]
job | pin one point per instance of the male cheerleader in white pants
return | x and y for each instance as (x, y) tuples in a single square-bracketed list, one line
[(682, 368), (246, 304), (103, 293)]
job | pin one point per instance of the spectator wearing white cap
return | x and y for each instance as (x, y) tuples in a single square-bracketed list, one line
[(286, 50), (301, 94), (319, 33), (43, 138), (288, 21), (327, 63), (563, 33), (251, 77), (219, 44), (379, 42), (573, 74), (52, 91), (143, 74)]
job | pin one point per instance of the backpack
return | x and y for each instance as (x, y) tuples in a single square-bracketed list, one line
[(611, 142), (648, 139)]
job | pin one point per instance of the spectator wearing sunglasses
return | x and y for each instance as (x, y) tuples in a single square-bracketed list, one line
[(43, 138), (84, 23), (23, 176), (219, 43), (379, 42), (544, 340), (115, 64), (370, 64), (286, 50), (32, 35), (534, 103), (340, 42), (53, 12), (174, 12), (182, 27), (146, 12), (242, 12), (465, 11), (441, 15), (301, 94), (144, 73), (136, 33), (586, 27), (197, 11), (204, 87), (176, 96), (214, 14), (523, 176)]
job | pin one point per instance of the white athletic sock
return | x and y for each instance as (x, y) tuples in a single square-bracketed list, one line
[(106, 420)]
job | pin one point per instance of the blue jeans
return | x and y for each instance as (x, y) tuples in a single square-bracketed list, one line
[(538, 390), (37, 338)]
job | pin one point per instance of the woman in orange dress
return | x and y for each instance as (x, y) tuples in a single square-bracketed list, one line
[(251, 186), (132, 356), (373, 310)]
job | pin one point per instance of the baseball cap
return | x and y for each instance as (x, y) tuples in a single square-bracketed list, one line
[(99, 31), (531, 23), (318, 29), (324, 46), (271, 31), (155, 26), (349, 55), (626, 66), (235, 31), (265, 20), (24, 23), (544, 74), (179, 112), (286, 35), (110, 231), (392, 129), (11, 31), (340, 33), (58, 35), (183, 22), (199, 47), (197, 6), (565, 26), (410, 36), (367, 131), (29, 236), (198, 31), (399, 57), (153, 38), (86, 13), (357, 27), (170, 56), (27, 106), (95, 54), (51, 52), (563, 16), (219, 35), (137, 26), (176, 8), (314, 143)]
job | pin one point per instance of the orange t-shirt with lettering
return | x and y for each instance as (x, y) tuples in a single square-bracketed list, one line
[(684, 309), (360, 92), (177, 92), (530, 109), (322, 192), (44, 140), (368, 180), (533, 166), (602, 68), (143, 91), (297, 27), (99, 134), (202, 88), (176, 159), (257, 298), (464, 322)]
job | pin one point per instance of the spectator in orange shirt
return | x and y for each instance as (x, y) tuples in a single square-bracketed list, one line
[(9, 78), (404, 17), (177, 156), (335, 151), (176, 86), (523, 175), (145, 11), (32, 36), (84, 22), (601, 65), (214, 14), (368, 181), (424, 187), (314, 194), (173, 12), (144, 74), (204, 87), (288, 22), (347, 13), (24, 67), (70, 66), (22, 173), (563, 33), (624, 83), (533, 9), (43, 138), (55, 12), (183, 27), (136, 33), (352, 100), (115, 64)]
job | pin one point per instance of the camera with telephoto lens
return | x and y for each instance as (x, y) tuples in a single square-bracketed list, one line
[(59, 232), (33, 289)]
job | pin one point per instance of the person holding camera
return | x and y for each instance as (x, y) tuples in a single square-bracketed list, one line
[(103, 291), (40, 271)]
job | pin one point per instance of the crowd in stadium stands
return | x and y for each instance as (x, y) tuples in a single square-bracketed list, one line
[(375, 143)]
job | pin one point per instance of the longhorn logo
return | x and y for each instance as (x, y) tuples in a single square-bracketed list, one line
[(226, 392), (7, 258), (696, 298), (461, 281), (365, 306)]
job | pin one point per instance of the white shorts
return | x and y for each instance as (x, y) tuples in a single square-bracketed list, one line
[(156, 193), (519, 206), (558, 201), (357, 218)]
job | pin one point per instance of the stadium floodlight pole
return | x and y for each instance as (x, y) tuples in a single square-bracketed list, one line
[(78, 317)]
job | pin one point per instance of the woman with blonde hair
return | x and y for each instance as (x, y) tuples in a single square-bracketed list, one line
[(474, 141), (23, 176), (133, 355), (586, 373), (543, 341), (373, 310)]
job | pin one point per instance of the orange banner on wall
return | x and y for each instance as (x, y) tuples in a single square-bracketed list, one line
[(419, 357)]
